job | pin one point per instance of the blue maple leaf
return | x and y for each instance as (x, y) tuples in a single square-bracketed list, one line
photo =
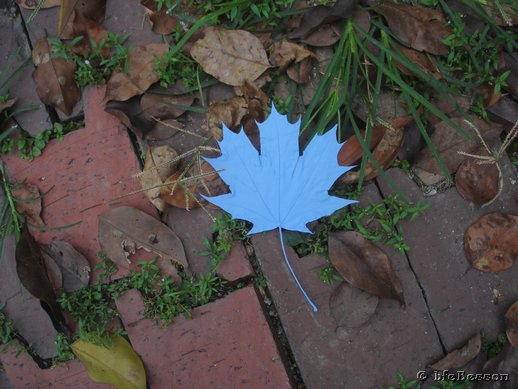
[(279, 188)]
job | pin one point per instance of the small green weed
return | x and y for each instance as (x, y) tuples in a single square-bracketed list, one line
[(492, 349), (6, 328), (328, 275), (175, 66), (95, 67), (405, 383), (63, 350)]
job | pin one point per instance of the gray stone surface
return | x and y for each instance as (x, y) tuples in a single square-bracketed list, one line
[(14, 53), (462, 300), (4, 381), (393, 340)]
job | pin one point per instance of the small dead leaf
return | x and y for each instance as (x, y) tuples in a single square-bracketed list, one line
[(54, 77), (505, 111), (187, 195), (448, 143), (351, 307), (162, 22), (231, 56), (32, 4), (123, 230), (165, 107), (256, 101), (74, 267), (130, 113), (90, 31), (113, 362), (140, 74), (153, 176), (53, 273), (31, 270), (230, 112), (325, 35), (301, 72), (284, 53), (491, 243), (320, 15), (352, 150), (28, 203), (364, 265), (506, 362), (8, 104), (511, 324), (460, 357), (385, 151), (423, 61), (476, 182), (91, 9), (422, 28)]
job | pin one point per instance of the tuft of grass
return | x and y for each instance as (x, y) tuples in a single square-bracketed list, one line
[(6, 328)]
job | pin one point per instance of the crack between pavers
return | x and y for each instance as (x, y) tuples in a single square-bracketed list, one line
[(421, 287)]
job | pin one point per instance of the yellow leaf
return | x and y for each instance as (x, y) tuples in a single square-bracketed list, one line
[(115, 364)]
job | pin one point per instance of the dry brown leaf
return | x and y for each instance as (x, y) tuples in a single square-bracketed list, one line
[(231, 56), (153, 176), (352, 150), (123, 230), (511, 324), (459, 358), (422, 28), (491, 243), (32, 4), (187, 195), (422, 60), (364, 265), (385, 151), (476, 182), (301, 72), (165, 107), (229, 112), (90, 9), (326, 35), (140, 74), (29, 203), (90, 31), (8, 104), (54, 77), (448, 143), (284, 53), (162, 22), (351, 307), (256, 100)]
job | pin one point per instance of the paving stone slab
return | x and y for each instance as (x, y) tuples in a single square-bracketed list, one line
[(393, 340), (15, 52), (227, 344), (87, 170), (236, 265), (23, 372), (462, 300)]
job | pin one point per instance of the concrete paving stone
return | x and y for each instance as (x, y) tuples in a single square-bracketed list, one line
[(236, 265), (87, 170), (15, 52), (44, 24), (462, 300), (4, 380), (128, 17), (393, 340), (227, 344), (23, 372)]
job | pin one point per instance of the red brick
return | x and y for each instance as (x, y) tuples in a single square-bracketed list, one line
[(88, 170), (23, 372), (236, 265), (227, 344)]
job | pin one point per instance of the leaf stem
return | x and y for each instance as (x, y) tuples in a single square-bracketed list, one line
[(315, 309)]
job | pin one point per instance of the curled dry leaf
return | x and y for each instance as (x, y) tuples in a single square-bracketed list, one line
[(124, 230), (54, 77), (352, 151), (8, 104), (364, 265), (162, 22), (491, 243), (113, 362), (230, 112), (32, 4), (90, 9), (157, 167), (476, 182), (284, 53), (422, 28), (130, 113), (385, 151), (320, 15), (231, 56), (423, 61), (511, 324), (54, 273), (73, 266), (202, 180), (163, 106), (460, 357), (326, 35), (351, 307), (28, 203), (256, 100), (140, 74), (31, 270), (301, 72)]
